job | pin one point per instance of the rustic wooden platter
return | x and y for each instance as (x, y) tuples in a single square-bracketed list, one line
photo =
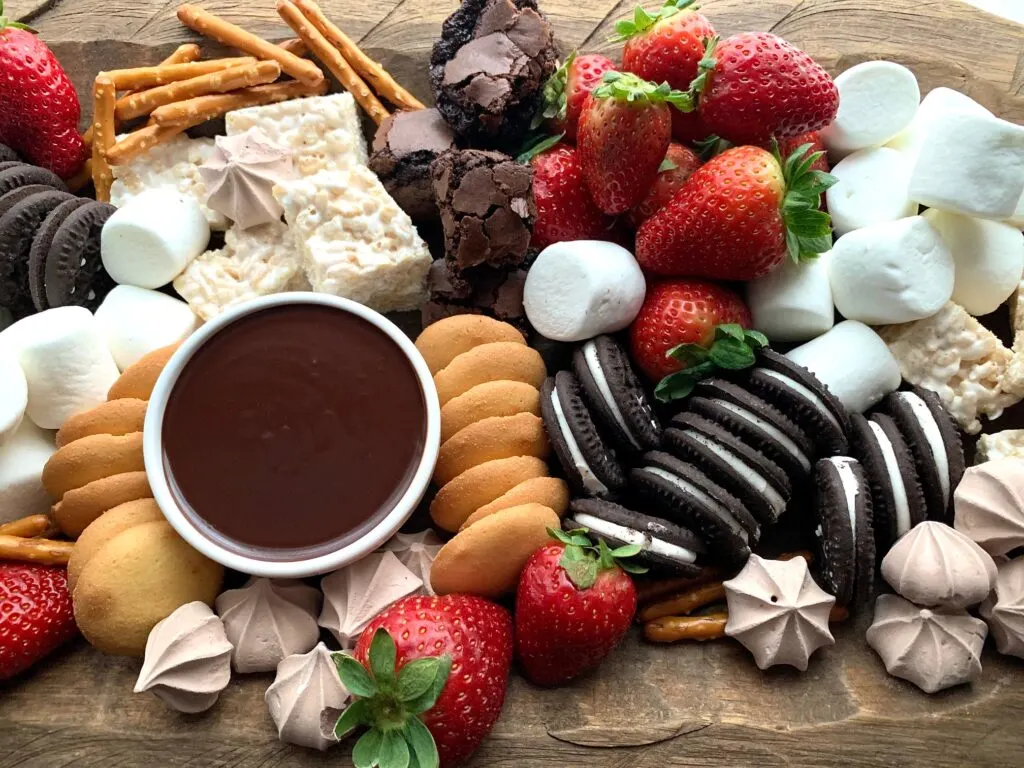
[(648, 707)]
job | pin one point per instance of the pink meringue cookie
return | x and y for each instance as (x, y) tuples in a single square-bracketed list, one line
[(989, 505), (778, 612), (306, 698), (934, 564), (934, 648), (416, 551), (1004, 609)]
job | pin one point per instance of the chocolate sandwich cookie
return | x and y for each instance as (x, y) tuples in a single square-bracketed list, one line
[(5, 164), (749, 475), (842, 501), (18, 194), (590, 466), (800, 395), (17, 229), (21, 174), (7, 155), (615, 395), (41, 249), (752, 419), (663, 545), (897, 498), (74, 270), (683, 494)]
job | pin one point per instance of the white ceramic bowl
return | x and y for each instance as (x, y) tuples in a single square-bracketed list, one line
[(324, 562)]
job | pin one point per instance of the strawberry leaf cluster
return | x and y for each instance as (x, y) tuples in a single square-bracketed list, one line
[(733, 349), (808, 228), (583, 560)]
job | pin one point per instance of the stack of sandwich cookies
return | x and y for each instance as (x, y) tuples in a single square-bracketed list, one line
[(842, 500), (7, 155)]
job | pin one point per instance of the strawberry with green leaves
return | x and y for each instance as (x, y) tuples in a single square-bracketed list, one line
[(739, 216), (567, 89), (733, 349), (679, 164)]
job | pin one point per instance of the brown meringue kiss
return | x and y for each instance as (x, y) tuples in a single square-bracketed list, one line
[(416, 551), (934, 564), (306, 699), (1004, 609), (989, 505)]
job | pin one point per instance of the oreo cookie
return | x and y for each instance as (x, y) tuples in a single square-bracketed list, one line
[(934, 441), (663, 545), (755, 480), (7, 155), (797, 392), (590, 466), (615, 396), (683, 494), (842, 501), (17, 229), (74, 271), (41, 249), (18, 194), (22, 174)]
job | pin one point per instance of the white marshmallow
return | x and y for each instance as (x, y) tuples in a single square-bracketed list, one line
[(853, 362), (135, 321), (970, 164), (581, 289), (891, 273), (988, 256), (21, 467), (872, 188), (67, 364), (151, 240), (1016, 220), (13, 395), (792, 302), (877, 100), (939, 101)]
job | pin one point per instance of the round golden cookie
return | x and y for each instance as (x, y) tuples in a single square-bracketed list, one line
[(487, 558), (106, 527), (91, 458), (498, 437), (499, 361), (114, 417), (139, 378), (79, 507), (492, 398), (481, 485), (446, 339), (137, 578), (551, 492)]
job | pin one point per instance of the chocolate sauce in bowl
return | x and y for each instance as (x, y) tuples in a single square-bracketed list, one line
[(294, 428)]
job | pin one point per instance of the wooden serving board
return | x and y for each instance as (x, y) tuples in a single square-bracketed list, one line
[(648, 706)]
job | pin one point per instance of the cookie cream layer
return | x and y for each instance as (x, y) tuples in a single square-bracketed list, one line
[(746, 473), (643, 540), (697, 493), (899, 488), (769, 429), (591, 482), (807, 394), (933, 434), (594, 366)]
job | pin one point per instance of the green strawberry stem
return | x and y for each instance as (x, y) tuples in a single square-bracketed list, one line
[(643, 21), (733, 348), (583, 560), (553, 104), (6, 23), (389, 705), (808, 228), (705, 67), (535, 145), (625, 86)]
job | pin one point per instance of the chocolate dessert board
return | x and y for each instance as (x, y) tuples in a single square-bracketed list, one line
[(684, 705)]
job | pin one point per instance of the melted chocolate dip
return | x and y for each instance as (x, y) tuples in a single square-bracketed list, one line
[(292, 428)]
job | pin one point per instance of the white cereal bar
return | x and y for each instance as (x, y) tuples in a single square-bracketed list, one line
[(1008, 444)]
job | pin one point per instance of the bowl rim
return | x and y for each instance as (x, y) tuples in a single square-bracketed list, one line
[(311, 566)]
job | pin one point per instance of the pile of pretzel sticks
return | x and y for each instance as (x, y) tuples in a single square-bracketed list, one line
[(27, 540), (184, 91)]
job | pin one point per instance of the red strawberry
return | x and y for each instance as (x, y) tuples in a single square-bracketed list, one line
[(624, 132), (35, 614), (793, 143), (430, 675), (567, 89), (574, 605), (39, 118), (565, 210), (678, 312), (738, 216), (679, 164), (755, 85)]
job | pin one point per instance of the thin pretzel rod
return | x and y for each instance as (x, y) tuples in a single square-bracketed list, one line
[(653, 590), (183, 54), (104, 95), (204, 108), (141, 78), (143, 140), (672, 629), (294, 45), (29, 527), (46, 551), (685, 602)]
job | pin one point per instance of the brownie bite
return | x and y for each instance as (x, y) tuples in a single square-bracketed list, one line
[(489, 67), (497, 293)]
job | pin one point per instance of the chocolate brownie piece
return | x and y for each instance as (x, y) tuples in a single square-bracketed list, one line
[(403, 148), (489, 67), (494, 292)]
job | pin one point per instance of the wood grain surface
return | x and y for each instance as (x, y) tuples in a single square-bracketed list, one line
[(648, 707)]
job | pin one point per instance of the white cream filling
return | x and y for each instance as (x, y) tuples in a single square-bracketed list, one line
[(594, 366), (697, 493), (934, 436), (746, 472), (777, 434), (850, 488), (899, 490), (632, 536), (590, 480), (808, 394)]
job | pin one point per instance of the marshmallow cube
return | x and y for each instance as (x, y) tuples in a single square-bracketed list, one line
[(872, 189), (877, 101), (21, 467), (970, 164), (583, 288), (67, 365), (1016, 220), (151, 240), (988, 257), (136, 321), (939, 101), (792, 302), (891, 273), (853, 362), (13, 395)]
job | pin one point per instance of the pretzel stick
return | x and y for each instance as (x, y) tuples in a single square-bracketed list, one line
[(653, 590), (383, 83), (671, 629), (333, 60), (294, 45), (104, 95), (204, 108), (143, 140), (183, 54), (685, 602), (29, 527), (83, 178), (212, 26), (141, 78), (46, 551)]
